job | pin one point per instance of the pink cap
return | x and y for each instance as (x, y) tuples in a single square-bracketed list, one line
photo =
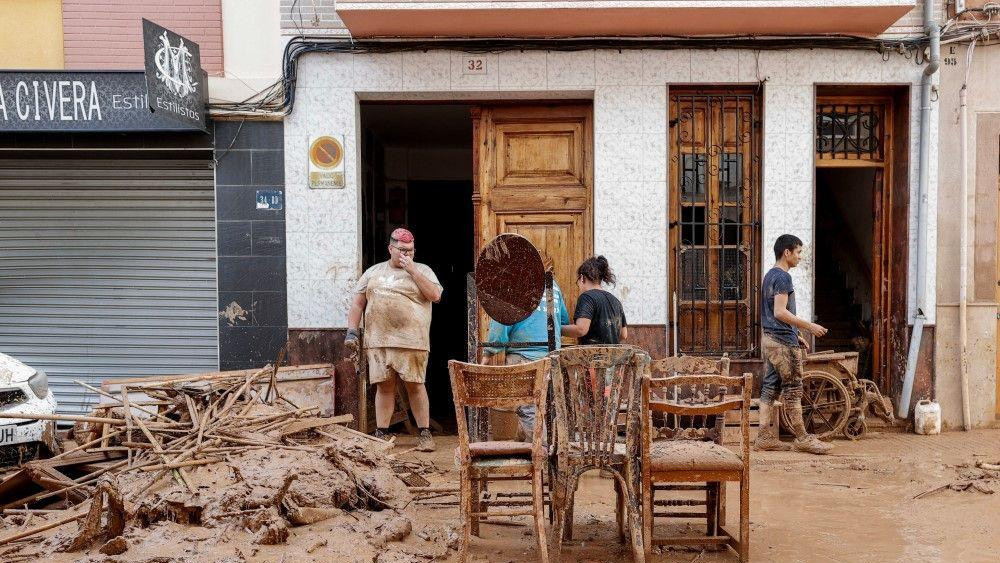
[(402, 235)]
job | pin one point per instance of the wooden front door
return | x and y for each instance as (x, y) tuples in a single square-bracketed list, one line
[(534, 177), (714, 226)]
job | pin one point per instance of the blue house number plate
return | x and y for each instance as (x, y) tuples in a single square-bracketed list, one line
[(270, 199)]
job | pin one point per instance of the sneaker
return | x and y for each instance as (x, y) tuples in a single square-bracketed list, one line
[(811, 444), (425, 443), (765, 442), (382, 434)]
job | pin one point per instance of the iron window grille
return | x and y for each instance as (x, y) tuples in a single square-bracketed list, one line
[(715, 228), (850, 131)]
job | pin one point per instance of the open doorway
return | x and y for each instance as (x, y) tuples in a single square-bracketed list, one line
[(862, 217), (417, 173), (845, 235)]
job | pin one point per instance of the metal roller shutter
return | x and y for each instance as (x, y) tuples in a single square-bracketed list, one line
[(107, 269)]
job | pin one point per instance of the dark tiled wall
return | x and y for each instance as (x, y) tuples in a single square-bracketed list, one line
[(253, 307)]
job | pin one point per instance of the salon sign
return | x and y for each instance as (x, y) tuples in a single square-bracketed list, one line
[(73, 101)]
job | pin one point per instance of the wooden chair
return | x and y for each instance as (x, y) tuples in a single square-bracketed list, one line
[(689, 452), (714, 492), (591, 385), (482, 386)]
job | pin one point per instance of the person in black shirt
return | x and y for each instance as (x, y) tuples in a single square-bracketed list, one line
[(599, 317)]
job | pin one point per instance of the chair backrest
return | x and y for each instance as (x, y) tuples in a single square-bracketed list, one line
[(687, 426), (701, 397), (502, 387), (689, 365), (591, 385)]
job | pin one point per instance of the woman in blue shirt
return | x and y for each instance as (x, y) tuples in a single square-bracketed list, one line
[(532, 329)]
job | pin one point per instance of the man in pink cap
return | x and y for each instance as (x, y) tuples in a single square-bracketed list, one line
[(395, 297)]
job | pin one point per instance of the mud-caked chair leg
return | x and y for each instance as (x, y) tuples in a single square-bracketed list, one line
[(631, 505), (571, 486), (465, 511), (539, 505), (557, 490), (476, 505), (620, 511)]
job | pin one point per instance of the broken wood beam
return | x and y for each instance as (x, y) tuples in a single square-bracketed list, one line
[(309, 423), (121, 401), (355, 433), (84, 446), (181, 464), (420, 490), (39, 529), (64, 418)]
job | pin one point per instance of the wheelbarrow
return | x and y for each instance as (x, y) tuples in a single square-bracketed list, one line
[(835, 400)]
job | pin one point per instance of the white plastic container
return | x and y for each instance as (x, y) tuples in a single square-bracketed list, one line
[(927, 417)]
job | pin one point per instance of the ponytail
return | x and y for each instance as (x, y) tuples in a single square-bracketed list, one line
[(596, 270)]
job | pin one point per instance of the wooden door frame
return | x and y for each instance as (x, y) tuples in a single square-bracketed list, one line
[(890, 238)]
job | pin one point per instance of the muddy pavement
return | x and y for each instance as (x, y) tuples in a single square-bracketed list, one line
[(856, 505)]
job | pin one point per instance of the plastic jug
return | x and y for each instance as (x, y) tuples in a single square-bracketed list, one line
[(927, 417)]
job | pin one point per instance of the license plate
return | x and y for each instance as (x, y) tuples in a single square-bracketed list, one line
[(7, 435)]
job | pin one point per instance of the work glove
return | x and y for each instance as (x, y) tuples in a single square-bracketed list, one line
[(351, 344)]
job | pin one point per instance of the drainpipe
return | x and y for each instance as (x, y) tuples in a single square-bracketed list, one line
[(934, 33), (963, 267)]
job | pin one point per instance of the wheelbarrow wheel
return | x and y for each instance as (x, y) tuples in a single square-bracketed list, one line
[(855, 428), (826, 405)]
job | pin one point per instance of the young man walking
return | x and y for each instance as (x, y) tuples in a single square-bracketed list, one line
[(395, 297), (783, 348)]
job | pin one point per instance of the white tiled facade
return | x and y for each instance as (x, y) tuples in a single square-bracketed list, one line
[(629, 89)]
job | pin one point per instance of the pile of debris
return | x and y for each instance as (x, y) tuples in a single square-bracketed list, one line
[(981, 476), (208, 467)]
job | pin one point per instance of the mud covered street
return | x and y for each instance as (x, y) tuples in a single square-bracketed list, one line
[(855, 505)]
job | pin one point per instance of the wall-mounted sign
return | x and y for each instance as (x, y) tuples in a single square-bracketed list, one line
[(78, 101), (176, 85), (326, 161), (270, 199)]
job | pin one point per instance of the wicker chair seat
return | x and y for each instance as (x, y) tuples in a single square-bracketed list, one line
[(690, 455)]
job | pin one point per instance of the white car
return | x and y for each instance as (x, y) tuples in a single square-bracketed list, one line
[(25, 390)]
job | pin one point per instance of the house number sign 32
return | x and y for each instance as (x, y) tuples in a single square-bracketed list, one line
[(474, 65)]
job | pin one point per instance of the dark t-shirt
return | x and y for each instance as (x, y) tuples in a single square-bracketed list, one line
[(777, 281), (606, 316)]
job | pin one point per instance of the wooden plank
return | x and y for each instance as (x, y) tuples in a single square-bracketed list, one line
[(15, 486), (209, 376), (42, 528), (63, 417), (79, 459), (309, 423), (693, 540), (53, 480)]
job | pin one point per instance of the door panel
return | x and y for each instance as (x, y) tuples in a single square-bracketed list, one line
[(540, 154), (534, 177), (557, 235)]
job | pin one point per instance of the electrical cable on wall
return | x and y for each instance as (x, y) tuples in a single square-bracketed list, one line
[(279, 98)]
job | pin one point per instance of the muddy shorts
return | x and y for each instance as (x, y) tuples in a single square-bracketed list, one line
[(784, 368), (409, 365)]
